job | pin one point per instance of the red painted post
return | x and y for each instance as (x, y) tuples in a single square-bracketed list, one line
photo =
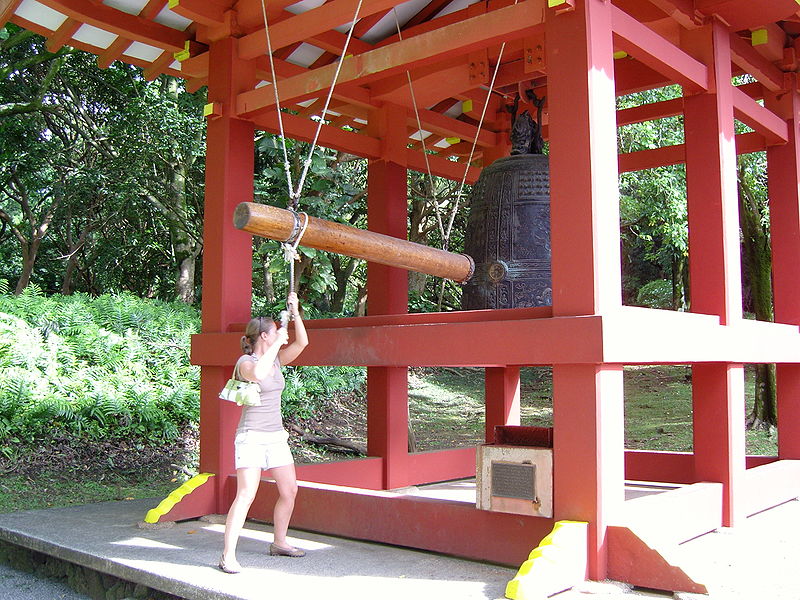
[(588, 457), (387, 289), (227, 252), (584, 188), (501, 391), (589, 452), (783, 169), (714, 265), (719, 442), (714, 258)]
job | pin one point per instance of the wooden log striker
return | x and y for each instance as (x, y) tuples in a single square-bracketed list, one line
[(284, 226)]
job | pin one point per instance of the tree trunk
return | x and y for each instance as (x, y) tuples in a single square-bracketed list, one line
[(342, 275), (757, 259)]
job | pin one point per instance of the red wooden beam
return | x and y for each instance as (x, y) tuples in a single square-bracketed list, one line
[(62, 35), (426, 13), (478, 32), (450, 127), (158, 66), (113, 52), (205, 12), (761, 119), (308, 24), (123, 24), (299, 128), (441, 167), (656, 52), (745, 56), (682, 11), (650, 112), (650, 159), (746, 143)]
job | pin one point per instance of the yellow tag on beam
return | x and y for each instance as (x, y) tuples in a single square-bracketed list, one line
[(554, 3), (620, 54), (212, 109), (466, 105), (452, 140), (759, 37), (173, 3), (183, 54)]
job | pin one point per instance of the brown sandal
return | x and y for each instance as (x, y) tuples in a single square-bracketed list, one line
[(276, 550)]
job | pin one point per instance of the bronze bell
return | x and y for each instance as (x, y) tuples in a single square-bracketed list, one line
[(508, 230)]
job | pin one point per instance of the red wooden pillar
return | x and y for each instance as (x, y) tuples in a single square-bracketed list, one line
[(501, 387), (588, 459), (387, 293), (714, 265), (227, 252), (783, 168)]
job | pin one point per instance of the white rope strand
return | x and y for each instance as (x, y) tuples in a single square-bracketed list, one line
[(286, 167), (294, 193), (436, 211)]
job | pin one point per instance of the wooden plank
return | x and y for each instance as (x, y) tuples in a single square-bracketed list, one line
[(478, 32)]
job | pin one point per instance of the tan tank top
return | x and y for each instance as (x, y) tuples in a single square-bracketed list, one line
[(267, 416)]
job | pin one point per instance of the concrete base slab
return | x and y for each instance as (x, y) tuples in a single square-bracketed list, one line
[(182, 560)]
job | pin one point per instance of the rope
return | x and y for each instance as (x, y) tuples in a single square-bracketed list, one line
[(290, 246), (446, 232), (294, 193)]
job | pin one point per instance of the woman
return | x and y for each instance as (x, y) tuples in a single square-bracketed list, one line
[(261, 441)]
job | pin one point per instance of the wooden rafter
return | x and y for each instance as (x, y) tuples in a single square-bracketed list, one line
[(462, 37), (62, 35), (121, 23), (308, 24), (427, 12), (113, 52), (158, 66)]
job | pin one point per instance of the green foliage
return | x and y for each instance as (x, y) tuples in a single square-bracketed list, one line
[(307, 387), (655, 294), (653, 209), (110, 367)]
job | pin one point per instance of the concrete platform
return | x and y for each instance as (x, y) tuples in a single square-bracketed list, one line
[(756, 560), (182, 560)]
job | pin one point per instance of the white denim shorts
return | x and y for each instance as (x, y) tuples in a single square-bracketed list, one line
[(263, 449)]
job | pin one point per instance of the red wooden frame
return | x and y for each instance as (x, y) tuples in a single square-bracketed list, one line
[(566, 54)]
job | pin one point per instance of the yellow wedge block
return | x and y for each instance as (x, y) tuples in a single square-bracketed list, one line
[(175, 496), (556, 564)]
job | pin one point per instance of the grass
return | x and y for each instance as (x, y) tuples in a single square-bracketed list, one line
[(46, 490), (446, 407)]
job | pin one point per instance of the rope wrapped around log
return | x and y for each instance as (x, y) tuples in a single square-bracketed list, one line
[(284, 225)]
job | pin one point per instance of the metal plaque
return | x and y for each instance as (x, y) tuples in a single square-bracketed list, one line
[(514, 480)]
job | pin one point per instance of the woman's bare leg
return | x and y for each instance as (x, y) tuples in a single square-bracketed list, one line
[(286, 480), (247, 480)]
